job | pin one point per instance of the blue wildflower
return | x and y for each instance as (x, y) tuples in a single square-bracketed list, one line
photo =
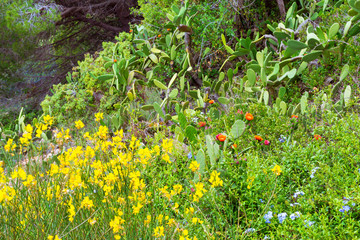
[(249, 230), (308, 223), (282, 217), (189, 155), (298, 193), (345, 209), (261, 200), (295, 215), (268, 216)]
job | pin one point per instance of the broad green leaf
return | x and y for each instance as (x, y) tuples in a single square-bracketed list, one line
[(266, 98), (347, 95), (191, 133), (147, 107), (160, 85), (251, 77), (153, 58), (297, 45), (105, 77), (333, 30), (237, 129), (223, 100), (312, 56), (174, 93), (158, 109), (344, 72)]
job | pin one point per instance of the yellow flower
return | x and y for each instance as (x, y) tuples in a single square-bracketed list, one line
[(194, 166), (159, 231), (9, 145), (276, 170), (215, 180), (167, 145), (29, 128), (166, 158), (38, 132), (79, 124), (190, 210), (147, 220), (52, 237), (87, 203), (92, 221), (136, 209), (196, 220), (48, 120), (99, 116)]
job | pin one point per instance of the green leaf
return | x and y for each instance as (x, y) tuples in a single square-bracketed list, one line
[(223, 100), (260, 58), (281, 35), (172, 80), (153, 58), (354, 30), (191, 133), (282, 91), (179, 134), (105, 77), (147, 107), (221, 76), (155, 50), (312, 56), (333, 30), (237, 129), (283, 107), (251, 77), (158, 109), (173, 52), (212, 150), (266, 98), (297, 45), (347, 27), (174, 93), (200, 158), (344, 72), (347, 95), (182, 120), (291, 74), (303, 104), (160, 85)]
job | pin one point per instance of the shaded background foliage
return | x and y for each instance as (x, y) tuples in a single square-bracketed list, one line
[(42, 40)]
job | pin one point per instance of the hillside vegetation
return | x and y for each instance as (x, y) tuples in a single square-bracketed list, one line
[(205, 121)]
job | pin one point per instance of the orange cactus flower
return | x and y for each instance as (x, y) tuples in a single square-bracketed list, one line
[(294, 116), (211, 101), (234, 146), (202, 124), (159, 35), (249, 116), (115, 60), (258, 138), (130, 30), (317, 137), (221, 137), (168, 29)]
